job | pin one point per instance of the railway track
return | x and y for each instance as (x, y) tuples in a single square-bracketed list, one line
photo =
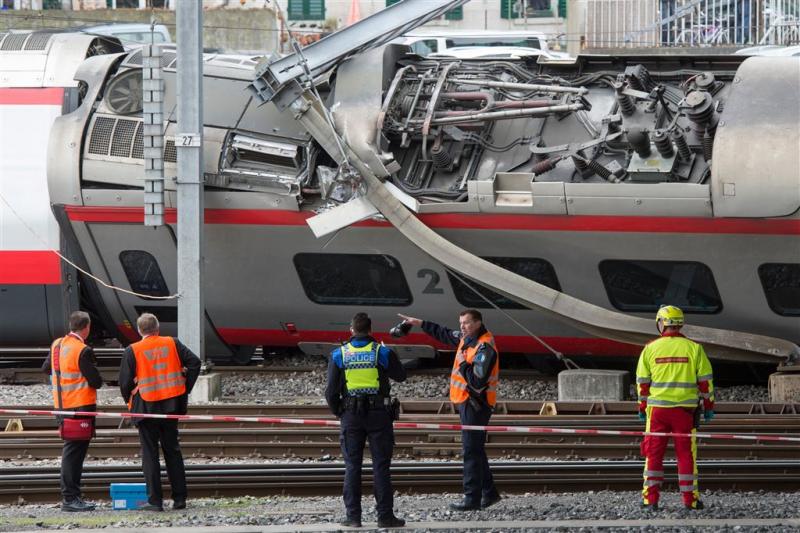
[(244, 439), (40, 484)]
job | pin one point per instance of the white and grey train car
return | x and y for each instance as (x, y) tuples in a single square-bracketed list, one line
[(37, 84), (627, 182)]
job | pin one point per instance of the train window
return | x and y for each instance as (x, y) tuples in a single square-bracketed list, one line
[(643, 286), (781, 282), (352, 279), (143, 274), (534, 269)]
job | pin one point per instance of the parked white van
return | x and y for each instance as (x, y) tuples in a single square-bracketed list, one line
[(426, 42)]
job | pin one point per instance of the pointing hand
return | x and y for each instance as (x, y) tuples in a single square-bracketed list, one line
[(411, 320)]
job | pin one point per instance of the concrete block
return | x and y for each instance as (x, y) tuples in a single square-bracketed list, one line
[(784, 387), (601, 385), (207, 388)]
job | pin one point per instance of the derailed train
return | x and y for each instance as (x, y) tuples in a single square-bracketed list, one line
[(627, 182)]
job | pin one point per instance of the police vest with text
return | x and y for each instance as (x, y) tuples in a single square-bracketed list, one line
[(159, 373), (361, 368), (458, 385), (75, 390)]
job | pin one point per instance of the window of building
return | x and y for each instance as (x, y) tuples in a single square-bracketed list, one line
[(306, 10), (534, 269), (518, 9), (352, 279), (644, 286), (143, 274), (781, 282)]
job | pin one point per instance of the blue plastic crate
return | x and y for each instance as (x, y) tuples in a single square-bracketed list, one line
[(126, 496)]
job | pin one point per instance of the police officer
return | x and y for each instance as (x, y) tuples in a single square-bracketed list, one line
[(156, 376), (673, 373), (473, 388), (75, 380), (358, 392)]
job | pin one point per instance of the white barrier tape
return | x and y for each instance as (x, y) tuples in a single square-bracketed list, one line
[(403, 425)]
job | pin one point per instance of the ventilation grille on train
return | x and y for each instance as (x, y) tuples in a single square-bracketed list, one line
[(168, 59), (122, 137), (25, 41)]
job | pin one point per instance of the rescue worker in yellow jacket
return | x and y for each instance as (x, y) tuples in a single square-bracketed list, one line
[(156, 376), (76, 375), (473, 389), (673, 374)]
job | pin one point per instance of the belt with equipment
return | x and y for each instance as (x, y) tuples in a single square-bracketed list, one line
[(371, 401)]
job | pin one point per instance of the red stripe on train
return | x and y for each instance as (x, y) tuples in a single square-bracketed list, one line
[(34, 267), (39, 96), (623, 224), (505, 343)]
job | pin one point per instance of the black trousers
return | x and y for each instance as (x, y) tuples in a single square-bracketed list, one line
[(375, 425), (478, 481), (72, 456), (151, 433)]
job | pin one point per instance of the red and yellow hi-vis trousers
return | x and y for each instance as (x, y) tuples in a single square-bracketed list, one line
[(670, 420)]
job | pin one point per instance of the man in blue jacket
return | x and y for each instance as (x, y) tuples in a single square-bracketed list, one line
[(358, 392)]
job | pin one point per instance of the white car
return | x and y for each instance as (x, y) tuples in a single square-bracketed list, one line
[(132, 35), (491, 52), (770, 50), (425, 41)]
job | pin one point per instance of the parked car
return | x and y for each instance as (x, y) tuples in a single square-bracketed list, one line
[(770, 50), (426, 42), (132, 34), (490, 52)]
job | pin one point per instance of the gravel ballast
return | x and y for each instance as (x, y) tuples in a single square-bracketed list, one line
[(308, 388), (288, 511)]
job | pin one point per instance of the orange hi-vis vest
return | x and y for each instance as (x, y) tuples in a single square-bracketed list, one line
[(159, 373), (458, 385), (75, 390)]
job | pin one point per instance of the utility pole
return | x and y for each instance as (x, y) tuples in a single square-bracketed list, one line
[(189, 144)]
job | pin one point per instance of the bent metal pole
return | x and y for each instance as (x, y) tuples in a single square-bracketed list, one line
[(402, 425)]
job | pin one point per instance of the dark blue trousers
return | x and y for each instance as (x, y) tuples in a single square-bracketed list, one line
[(478, 481), (375, 425)]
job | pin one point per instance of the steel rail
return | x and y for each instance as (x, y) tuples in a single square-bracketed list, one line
[(318, 443), (41, 483)]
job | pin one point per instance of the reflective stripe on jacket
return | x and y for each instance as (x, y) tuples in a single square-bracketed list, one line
[(670, 369), (75, 390), (159, 372), (361, 368), (458, 385)]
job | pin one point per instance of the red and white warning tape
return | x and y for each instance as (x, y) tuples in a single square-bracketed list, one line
[(401, 425)]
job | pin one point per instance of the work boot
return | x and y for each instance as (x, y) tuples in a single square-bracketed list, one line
[(650, 506), (695, 506), (351, 522), (151, 507), (391, 521), (178, 505), (488, 501), (465, 505), (77, 506)]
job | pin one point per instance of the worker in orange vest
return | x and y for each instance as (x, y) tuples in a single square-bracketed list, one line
[(473, 389), (75, 380), (156, 376)]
